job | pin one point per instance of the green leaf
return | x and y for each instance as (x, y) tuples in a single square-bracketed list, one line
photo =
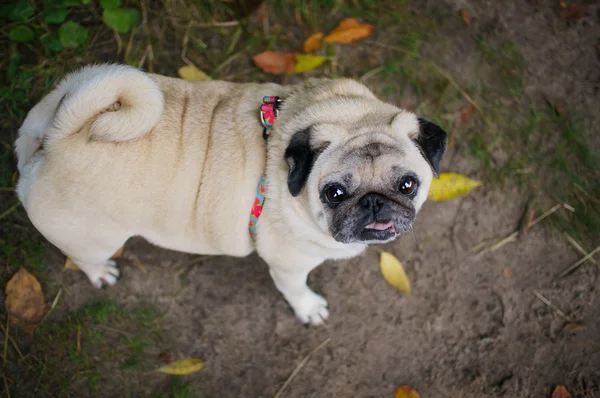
[(72, 35), (55, 15), (52, 42), (86, 2), (21, 11), (110, 3), (121, 19), (21, 34)]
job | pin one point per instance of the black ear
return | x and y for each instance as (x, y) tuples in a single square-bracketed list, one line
[(300, 158), (433, 141)]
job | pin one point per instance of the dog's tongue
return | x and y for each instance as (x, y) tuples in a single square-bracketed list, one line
[(380, 226)]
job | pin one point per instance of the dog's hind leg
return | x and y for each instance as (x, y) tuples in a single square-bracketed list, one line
[(93, 256), (89, 245), (100, 273)]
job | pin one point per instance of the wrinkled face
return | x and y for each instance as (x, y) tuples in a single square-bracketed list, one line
[(369, 194), (369, 188)]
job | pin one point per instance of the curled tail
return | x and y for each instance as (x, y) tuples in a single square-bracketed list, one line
[(122, 103)]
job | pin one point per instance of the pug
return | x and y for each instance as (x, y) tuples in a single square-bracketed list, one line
[(113, 152)]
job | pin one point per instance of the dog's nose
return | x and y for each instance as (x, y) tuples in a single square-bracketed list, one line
[(372, 201)]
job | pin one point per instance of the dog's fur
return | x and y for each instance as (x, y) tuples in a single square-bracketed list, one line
[(113, 152)]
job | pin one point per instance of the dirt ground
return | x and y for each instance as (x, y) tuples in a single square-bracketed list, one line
[(474, 326)]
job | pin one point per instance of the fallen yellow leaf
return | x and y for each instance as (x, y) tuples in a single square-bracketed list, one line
[(275, 62), (313, 42), (183, 366), (307, 62), (393, 272), (192, 73), (69, 264), (450, 186), (349, 30), (406, 392), (25, 301)]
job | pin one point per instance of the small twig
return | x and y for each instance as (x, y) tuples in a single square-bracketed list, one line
[(119, 42), (549, 304), (40, 378), (12, 341), (143, 59), (6, 342), (580, 249), (451, 80), (184, 41), (52, 306), (129, 45), (114, 330), (139, 264), (513, 236), (78, 338), (237, 74), (578, 263), (370, 73), (216, 24), (4, 358), (226, 62), (10, 209), (300, 365)]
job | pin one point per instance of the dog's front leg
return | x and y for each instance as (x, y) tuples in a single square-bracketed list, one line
[(310, 308)]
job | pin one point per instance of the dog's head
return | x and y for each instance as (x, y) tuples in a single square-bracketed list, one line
[(362, 166)]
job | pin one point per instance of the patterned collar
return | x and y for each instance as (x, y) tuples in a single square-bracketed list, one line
[(269, 110)]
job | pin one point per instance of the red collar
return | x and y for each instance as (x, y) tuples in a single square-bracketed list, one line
[(269, 111)]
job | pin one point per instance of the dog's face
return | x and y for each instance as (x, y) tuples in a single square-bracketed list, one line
[(365, 181)]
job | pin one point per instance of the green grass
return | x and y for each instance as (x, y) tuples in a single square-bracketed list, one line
[(90, 345)]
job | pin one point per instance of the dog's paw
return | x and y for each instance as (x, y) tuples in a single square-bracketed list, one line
[(106, 274), (311, 308)]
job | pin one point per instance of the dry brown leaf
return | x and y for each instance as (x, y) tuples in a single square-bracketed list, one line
[(574, 11), (25, 301), (575, 327), (465, 115), (275, 63), (560, 392), (406, 392), (349, 30), (313, 42), (562, 4), (507, 273), (465, 17)]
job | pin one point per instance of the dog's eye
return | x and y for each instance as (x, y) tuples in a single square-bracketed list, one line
[(335, 194), (408, 186)]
